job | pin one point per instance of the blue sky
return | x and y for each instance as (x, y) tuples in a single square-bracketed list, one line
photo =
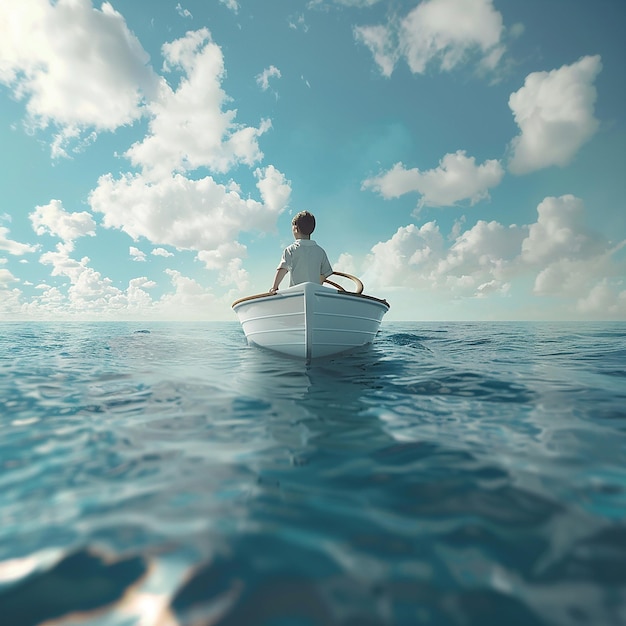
[(465, 158)]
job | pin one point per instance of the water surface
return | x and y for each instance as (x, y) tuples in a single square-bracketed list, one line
[(450, 474)]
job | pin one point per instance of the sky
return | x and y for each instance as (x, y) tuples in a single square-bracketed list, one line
[(465, 158)]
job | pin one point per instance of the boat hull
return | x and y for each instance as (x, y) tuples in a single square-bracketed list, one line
[(310, 320)]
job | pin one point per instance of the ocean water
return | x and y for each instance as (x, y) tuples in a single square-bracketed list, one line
[(450, 474)]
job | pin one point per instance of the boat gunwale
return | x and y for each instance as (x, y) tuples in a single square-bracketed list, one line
[(267, 294)]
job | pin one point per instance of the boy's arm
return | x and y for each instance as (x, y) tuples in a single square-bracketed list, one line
[(281, 272)]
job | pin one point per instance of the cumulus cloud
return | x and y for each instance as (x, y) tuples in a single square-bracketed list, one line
[(136, 254), (604, 301), (189, 214), (10, 301), (89, 291), (188, 128), (65, 59), (222, 255), (263, 79), (91, 295), (161, 252), (420, 257), (52, 218), (457, 178), (274, 188), (137, 299), (555, 113), (560, 232), (345, 263), (559, 254), (227, 258), (14, 247), (6, 277), (189, 300), (199, 215), (571, 259), (443, 32)]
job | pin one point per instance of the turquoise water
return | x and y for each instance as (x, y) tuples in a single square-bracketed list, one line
[(169, 474)]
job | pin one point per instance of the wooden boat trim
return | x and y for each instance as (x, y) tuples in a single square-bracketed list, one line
[(341, 293), (254, 297)]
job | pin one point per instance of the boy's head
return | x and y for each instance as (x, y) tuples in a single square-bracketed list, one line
[(304, 222)]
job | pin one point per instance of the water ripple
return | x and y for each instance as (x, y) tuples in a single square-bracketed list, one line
[(450, 474)]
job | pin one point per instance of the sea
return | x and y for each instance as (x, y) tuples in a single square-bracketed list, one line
[(169, 474)]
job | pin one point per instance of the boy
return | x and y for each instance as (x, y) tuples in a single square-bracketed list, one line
[(303, 259)]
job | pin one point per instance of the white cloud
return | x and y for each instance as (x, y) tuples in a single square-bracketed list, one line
[(298, 23), (382, 41), (188, 214), (445, 32), (227, 259), (486, 251), (558, 254), (10, 303), (571, 259), (66, 59), (555, 113), (448, 30), (72, 136), (233, 5), (14, 247), (6, 277), (136, 254), (190, 300), (560, 233), (345, 263), (93, 296), (161, 252), (395, 262), (274, 188), (196, 215), (604, 301), (52, 218), (457, 178), (137, 299), (183, 12), (263, 79), (222, 255), (89, 291), (492, 287), (188, 128), (480, 260)]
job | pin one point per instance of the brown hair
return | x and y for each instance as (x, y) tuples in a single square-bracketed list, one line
[(305, 222)]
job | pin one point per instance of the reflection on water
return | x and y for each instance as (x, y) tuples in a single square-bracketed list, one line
[(447, 474)]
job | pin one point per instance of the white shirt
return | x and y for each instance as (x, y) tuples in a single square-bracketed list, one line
[(306, 262)]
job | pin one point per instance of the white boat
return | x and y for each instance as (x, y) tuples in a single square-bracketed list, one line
[(310, 320)]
